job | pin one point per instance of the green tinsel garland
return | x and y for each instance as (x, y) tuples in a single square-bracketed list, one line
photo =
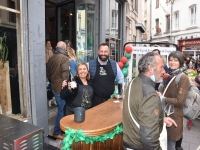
[(77, 136)]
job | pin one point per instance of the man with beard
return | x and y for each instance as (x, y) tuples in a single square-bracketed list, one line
[(104, 72)]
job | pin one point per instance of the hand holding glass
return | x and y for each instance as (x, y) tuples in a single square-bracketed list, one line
[(169, 109)]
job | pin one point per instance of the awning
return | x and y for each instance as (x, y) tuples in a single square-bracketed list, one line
[(140, 27)]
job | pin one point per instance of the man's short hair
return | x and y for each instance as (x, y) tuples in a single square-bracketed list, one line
[(157, 51), (146, 60), (103, 44)]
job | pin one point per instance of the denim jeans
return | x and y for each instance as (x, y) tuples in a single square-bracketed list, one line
[(171, 145), (61, 104)]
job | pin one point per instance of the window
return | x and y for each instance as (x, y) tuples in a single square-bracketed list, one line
[(145, 24), (176, 20), (136, 5), (157, 3), (167, 23), (193, 15), (114, 18), (12, 16), (157, 24)]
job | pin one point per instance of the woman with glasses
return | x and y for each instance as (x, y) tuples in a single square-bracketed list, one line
[(80, 95)]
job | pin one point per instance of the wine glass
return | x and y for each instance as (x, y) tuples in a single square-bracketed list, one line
[(169, 109)]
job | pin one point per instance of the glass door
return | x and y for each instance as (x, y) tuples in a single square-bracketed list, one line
[(66, 23), (85, 32)]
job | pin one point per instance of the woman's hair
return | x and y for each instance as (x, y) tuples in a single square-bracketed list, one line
[(178, 55), (68, 42), (145, 61), (80, 64), (71, 53)]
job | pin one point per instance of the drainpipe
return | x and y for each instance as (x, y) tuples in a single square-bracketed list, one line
[(172, 1), (150, 21)]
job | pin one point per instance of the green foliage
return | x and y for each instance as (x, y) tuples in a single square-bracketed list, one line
[(3, 50)]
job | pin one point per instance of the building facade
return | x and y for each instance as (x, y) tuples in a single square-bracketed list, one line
[(173, 21), (27, 24), (135, 28)]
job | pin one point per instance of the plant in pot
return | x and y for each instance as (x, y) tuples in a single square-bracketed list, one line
[(3, 50)]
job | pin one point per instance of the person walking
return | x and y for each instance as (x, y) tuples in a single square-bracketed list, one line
[(57, 71), (104, 72), (142, 109)]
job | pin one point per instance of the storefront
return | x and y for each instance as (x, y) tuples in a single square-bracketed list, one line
[(87, 24), (190, 47), (27, 25)]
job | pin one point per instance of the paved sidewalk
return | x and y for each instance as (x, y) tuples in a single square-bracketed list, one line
[(191, 138)]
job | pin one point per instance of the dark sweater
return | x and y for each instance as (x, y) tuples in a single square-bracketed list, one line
[(68, 95)]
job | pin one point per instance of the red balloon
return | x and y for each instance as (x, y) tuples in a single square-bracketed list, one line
[(120, 64), (124, 60), (128, 49)]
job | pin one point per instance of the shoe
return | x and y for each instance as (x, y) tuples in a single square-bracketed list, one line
[(58, 136)]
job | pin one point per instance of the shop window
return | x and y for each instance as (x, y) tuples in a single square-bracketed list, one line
[(167, 23), (112, 24), (176, 20), (193, 15)]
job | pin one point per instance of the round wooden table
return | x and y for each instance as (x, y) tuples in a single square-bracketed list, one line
[(99, 120)]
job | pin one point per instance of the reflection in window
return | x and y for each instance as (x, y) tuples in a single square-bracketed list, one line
[(112, 27), (85, 32), (114, 18)]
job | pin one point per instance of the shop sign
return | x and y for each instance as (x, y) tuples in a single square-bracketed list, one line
[(144, 50), (189, 43)]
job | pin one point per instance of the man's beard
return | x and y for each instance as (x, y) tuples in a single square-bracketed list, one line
[(103, 58)]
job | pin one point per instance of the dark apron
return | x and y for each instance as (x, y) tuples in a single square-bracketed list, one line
[(82, 99), (102, 84)]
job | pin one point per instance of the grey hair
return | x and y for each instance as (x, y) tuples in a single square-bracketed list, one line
[(146, 60), (61, 45)]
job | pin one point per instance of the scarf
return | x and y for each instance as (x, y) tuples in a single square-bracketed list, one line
[(172, 73)]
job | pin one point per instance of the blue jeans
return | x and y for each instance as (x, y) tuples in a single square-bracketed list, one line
[(61, 104), (171, 145)]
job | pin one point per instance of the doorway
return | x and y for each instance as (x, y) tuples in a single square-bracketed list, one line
[(60, 22)]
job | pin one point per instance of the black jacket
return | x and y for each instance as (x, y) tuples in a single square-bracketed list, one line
[(68, 95)]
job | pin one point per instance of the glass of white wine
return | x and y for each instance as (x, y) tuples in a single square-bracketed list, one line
[(169, 109)]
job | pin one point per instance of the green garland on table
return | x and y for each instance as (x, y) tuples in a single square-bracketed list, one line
[(77, 136)]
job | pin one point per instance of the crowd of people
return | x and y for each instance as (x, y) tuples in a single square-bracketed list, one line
[(143, 106), (94, 80)]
